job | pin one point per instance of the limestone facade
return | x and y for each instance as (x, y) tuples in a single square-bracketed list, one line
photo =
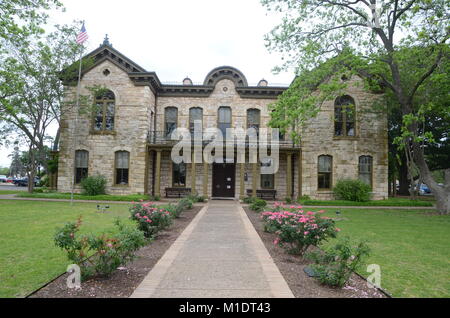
[(140, 103)]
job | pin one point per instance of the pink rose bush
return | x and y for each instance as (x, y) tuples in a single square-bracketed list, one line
[(150, 218), (296, 229)]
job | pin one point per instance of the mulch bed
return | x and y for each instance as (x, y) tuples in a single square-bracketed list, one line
[(301, 285), (125, 280)]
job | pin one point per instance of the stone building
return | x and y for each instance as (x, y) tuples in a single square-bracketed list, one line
[(126, 137)]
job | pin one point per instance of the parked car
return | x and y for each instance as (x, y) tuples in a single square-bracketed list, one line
[(424, 189), (23, 182), (10, 180), (3, 178)]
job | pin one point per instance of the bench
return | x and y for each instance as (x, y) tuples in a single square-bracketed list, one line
[(177, 192), (265, 194)]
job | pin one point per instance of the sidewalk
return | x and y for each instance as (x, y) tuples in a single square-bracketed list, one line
[(218, 255)]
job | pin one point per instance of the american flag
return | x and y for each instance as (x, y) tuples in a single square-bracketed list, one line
[(82, 36)]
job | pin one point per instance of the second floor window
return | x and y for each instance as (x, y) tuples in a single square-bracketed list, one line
[(122, 167), (254, 119), (325, 170), (224, 120), (195, 114), (170, 120), (344, 116), (267, 180), (105, 106), (81, 165)]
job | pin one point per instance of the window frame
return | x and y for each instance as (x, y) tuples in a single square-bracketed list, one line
[(116, 169), (370, 173), (218, 119), (258, 111), (86, 173), (174, 185), (321, 172), (344, 114), (191, 128), (166, 134), (104, 109)]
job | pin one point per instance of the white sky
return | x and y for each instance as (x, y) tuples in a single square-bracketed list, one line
[(179, 38)]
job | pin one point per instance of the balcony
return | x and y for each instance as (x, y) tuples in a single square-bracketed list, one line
[(161, 138)]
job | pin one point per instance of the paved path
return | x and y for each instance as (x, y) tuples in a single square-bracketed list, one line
[(218, 255)]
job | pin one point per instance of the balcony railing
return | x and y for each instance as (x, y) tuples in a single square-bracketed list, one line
[(164, 139)]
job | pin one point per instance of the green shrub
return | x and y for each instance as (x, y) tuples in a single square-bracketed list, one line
[(352, 190), (186, 203), (249, 200), (335, 266), (258, 205), (288, 200), (94, 185), (303, 198), (196, 198), (150, 218), (297, 230), (109, 252)]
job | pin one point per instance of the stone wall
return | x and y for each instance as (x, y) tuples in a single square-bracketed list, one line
[(132, 122)]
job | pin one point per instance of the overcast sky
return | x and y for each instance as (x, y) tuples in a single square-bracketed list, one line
[(179, 38)]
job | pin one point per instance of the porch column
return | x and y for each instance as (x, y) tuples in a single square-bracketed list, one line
[(241, 181), (193, 175), (158, 174), (254, 178), (289, 175), (205, 179), (300, 174)]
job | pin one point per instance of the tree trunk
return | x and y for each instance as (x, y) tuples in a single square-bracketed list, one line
[(403, 178), (441, 194)]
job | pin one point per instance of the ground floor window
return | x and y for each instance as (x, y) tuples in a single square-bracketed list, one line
[(324, 172), (81, 165), (267, 180), (122, 167), (365, 169), (179, 175)]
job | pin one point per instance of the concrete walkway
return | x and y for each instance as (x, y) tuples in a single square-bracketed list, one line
[(218, 255)]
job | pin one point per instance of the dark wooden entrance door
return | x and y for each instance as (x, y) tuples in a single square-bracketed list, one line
[(223, 180)]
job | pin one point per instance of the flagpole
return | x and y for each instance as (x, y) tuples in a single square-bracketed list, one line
[(74, 135)]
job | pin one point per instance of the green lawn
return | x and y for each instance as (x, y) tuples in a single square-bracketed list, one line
[(28, 257), (66, 196), (412, 248), (388, 202), (2, 192)]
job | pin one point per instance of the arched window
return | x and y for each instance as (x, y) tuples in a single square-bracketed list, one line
[(170, 120), (254, 119), (344, 116), (122, 167), (195, 113), (81, 165), (365, 169), (325, 172), (224, 119), (105, 104)]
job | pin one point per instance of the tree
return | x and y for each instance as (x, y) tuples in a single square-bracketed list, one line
[(36, 100), (372, 39)]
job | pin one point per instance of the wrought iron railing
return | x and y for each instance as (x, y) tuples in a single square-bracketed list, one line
[(163, 138)]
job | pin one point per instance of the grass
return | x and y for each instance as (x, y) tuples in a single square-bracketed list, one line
[(388, 202), (3, 192), (412, 248), (28, 256), (66, 196)]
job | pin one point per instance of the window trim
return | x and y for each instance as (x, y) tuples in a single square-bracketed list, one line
[(259, 116), (173, 176), (231, 118), (195, 107), (115, 169), (75, 166), (165, 119), (371, 168), (104, 110), (344, 119), (331, 173)]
